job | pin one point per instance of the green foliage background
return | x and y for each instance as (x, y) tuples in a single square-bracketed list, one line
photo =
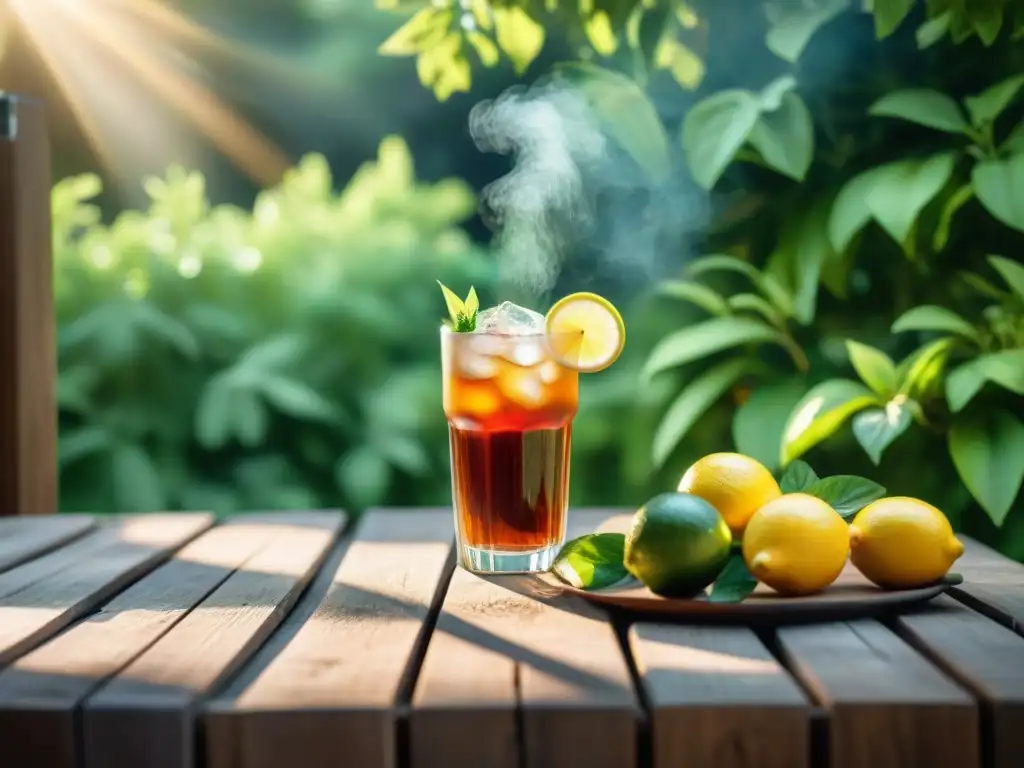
[(858, 300)]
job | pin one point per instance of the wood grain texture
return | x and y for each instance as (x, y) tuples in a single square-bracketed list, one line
[(518, 674), (333, 692), (887, 705), (40, 692), (125, 550), (992, 583), (985, 657), (718, 697), (28, 351), (146, 714), (22, 539)]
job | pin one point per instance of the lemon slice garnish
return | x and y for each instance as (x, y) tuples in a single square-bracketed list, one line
[(585, 332)]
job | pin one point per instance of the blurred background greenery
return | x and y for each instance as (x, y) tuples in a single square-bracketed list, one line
[(253, 324)]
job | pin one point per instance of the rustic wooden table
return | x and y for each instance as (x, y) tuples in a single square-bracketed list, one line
[(293, 640)]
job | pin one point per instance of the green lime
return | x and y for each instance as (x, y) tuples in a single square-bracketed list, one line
[(677, 545)]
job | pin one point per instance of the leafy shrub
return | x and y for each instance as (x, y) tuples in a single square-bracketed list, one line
[(215, 358), (864, 162)]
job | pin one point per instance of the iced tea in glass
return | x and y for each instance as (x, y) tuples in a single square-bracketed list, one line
[(510, 408)]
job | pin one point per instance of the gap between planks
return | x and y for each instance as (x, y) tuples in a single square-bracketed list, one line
[(993, 584)]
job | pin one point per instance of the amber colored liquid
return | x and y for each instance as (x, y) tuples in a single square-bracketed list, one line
[(510, 412), (511, 488)]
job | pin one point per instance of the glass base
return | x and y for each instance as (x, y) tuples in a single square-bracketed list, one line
[(490, 561)]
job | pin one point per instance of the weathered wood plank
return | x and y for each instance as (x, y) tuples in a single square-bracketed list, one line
[(145, 715), (39, 693), (986, 658), (334, 683), (513, 648), (993, 584), (887, 704), (24, 538), (28, 350), (719, 698), (124, 551), (79, 551)]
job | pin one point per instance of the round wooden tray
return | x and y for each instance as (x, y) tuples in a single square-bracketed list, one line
[(850, 596)]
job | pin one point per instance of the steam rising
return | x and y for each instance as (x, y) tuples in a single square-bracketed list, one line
[(573, 195), (536, 206)]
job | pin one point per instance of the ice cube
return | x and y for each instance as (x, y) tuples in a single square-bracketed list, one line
[(525, 352), (521, 386), (510, 319), (474, 366), (488, 345), (549, 372)]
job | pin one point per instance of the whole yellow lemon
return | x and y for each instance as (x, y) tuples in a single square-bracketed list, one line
[(734, 484), (796, 544), (901, 543)]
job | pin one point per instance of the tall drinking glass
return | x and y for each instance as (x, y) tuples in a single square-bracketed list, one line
[(510, 408)]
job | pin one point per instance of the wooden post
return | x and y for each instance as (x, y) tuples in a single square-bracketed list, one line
[(28, 407)]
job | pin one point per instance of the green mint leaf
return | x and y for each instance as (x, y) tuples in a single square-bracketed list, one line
[(462, 313), (798, 477), (455, 305), (952, 578), (734, 584), (846, 494), (593, 561)]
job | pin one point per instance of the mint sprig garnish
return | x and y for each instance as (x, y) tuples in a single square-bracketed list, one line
[(462, 314)]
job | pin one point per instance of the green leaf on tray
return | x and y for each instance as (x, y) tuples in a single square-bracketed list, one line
[(846, 494), (798, 477), (734, 584), (593, 561), (952, 578)]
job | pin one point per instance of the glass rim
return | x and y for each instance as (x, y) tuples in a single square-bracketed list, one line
[(446, 329)]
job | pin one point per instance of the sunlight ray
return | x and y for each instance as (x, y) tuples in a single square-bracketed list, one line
[(50, 39), (76, 39), (167, 23), (252, 152)]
